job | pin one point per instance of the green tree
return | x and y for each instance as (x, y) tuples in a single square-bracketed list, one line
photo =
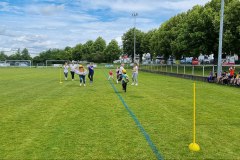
[(146, 44), (98, 50), (112, 52), (77, 52), (232, 27), (68, 53), (128, 42), (25, 54), (3, 56), (99, 45), (87, 50)]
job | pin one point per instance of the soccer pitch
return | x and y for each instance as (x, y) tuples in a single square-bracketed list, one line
[(43, 119)]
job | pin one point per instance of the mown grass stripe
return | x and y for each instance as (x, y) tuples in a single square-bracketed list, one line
[(147, 137)]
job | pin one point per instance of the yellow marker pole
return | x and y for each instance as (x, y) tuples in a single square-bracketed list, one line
[(194, 146), (60, 75)]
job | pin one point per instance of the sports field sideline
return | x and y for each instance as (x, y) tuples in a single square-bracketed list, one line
[(43, 119)]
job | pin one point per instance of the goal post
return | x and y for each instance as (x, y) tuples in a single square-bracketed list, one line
[(55, 63), (18, 63)]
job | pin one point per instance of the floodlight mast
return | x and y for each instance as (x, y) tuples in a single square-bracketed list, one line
[(219, 69), (134, 39)]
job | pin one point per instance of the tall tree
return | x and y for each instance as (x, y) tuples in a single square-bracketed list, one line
[(99, 45), (128, 42), (25, 54), (146, 44), (3, 56), (77, 52), (112, 52)]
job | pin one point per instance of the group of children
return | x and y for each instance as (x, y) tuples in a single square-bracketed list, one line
[(81, 71), (230, 77), (120, 72), (227, 77), (123, 77)]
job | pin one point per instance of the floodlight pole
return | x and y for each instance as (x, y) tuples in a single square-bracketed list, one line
[(219, 69), (134, 53)]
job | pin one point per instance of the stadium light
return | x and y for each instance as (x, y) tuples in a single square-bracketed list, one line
[(219, 68), (134, 54)]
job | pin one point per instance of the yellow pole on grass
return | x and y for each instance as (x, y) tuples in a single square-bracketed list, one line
[(194, 146), (60, 75)]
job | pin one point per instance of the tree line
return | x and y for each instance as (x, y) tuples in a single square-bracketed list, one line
[(189, 33)]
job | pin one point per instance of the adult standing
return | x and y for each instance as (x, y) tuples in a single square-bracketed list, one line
[(90, 72), (135, 75)]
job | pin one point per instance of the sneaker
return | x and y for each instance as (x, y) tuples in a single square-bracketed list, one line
[(84, 85), (80, 84), (132, 84), (65, 79), (117, 81), (136, 84), (72, 79)]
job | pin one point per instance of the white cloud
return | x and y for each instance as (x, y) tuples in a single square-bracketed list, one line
[(6, 7), (47, 10), (141, 5), (51, 25)]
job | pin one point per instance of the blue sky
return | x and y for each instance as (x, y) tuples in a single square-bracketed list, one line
[(42, 24)]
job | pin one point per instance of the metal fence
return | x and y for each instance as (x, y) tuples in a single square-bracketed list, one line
[(199, 70)]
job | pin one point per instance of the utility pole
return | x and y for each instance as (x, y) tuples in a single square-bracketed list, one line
[(134, 54), (219, 68)]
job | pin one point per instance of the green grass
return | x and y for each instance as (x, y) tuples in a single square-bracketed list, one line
[(42, 119)]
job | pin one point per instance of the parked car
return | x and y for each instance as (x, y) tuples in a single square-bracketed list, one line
[(194, 61), (186, 60)]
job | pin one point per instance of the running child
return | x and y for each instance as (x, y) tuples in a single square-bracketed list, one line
[(110, 75), (82, 72), (72, 70), (125, 80), (65, 70)]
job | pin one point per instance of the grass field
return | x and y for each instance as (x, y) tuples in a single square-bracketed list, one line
[(43, 119)]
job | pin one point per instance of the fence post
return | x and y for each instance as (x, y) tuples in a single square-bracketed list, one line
[(213, 69), (161, 67), (184, 71), (166, 67), (171, 68), (203, 71), (177, 69), (192, 70)]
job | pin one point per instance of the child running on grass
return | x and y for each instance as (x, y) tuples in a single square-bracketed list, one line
[(117, 73), (125, 80), (72, 67), (65, 70), (82, 72), (110, 75)]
